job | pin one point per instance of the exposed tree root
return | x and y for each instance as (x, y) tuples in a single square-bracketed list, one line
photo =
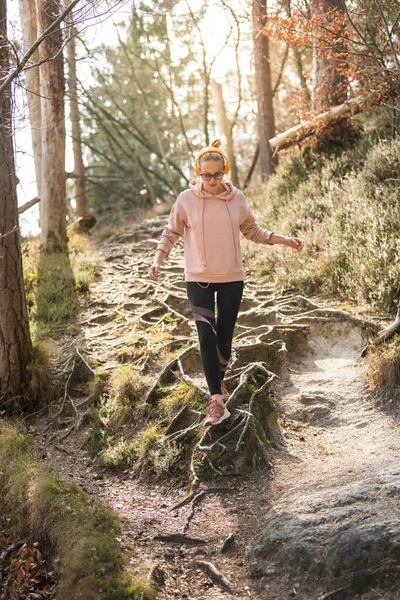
[(168, 370), (227, 543), (385, 334), (180, 538), (216, 577), (239, 427), (170, 309), (155, 579)]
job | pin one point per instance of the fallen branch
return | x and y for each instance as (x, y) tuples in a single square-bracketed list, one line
[(338, 593), (296, 134), (82, 224), (66, 394), (216, 577)]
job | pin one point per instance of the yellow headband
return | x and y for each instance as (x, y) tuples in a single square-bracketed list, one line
[(211, 149)]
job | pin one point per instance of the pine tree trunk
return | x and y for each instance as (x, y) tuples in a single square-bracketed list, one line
[(52, 88), (79, 167), (265, 113), (329, 84), (225, 127), (15, 344), (28, 16)]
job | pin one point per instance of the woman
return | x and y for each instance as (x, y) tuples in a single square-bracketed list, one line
[(211, 214)]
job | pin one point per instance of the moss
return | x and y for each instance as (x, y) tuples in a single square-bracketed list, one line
[(173, 399), (146, 441), (77, 531)]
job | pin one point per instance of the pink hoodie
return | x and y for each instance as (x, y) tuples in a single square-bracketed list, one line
[(211, 240)]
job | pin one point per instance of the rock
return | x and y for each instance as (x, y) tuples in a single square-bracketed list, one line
[(335, 536), (317, 414)]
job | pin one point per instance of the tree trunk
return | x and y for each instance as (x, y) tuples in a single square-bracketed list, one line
[(225, 127), (79, 167), (28, 16), (52, 88), (329, 84), (300, 73), (15, 343), (265, 113)]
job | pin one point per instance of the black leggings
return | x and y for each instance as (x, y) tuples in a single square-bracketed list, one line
[(215, 335)]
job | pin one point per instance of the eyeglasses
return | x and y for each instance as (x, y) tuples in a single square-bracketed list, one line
[(208, 176)]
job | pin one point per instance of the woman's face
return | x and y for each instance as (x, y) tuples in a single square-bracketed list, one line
[(212, 167)]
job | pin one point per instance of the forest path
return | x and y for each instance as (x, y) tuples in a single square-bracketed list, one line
[(332, 447)]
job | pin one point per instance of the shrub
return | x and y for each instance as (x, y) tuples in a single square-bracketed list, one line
[(349, 218)]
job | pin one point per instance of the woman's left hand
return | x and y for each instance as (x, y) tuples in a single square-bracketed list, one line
[(294, 242)]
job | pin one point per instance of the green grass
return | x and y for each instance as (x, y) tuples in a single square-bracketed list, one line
[(72, 527), (53, 281)]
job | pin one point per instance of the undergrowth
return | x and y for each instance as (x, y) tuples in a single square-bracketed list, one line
[(53, 281), (383, 363), (77, 531), (347, 208)]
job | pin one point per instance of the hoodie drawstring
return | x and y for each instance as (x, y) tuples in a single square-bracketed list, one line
[(233, 232), (200, 233)]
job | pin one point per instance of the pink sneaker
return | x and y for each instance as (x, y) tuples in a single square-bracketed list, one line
[(225, 394), (217, 412)]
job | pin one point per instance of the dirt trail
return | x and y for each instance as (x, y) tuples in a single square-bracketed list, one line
[(335, 457)]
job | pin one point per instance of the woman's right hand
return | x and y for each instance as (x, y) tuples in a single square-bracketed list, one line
[(154, 271)]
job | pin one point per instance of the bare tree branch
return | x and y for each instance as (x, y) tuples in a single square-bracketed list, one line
[(17, 70)]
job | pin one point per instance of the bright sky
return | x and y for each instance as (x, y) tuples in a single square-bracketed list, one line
[(214, 29)]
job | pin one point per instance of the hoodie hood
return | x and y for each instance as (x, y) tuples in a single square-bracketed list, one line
[(228, 192)]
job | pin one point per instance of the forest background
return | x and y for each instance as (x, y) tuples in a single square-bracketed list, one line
[(306, 95)]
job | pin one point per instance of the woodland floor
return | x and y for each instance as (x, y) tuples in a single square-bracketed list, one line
[(330, 433)]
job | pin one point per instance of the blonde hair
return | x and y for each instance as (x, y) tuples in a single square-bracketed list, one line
[(213, 155)]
